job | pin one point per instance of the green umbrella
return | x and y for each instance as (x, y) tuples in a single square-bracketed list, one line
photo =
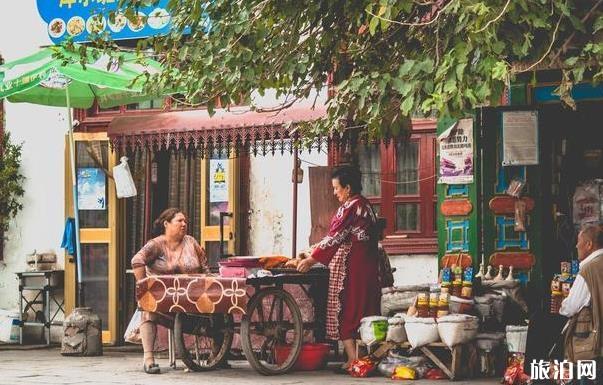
[(58, 77)]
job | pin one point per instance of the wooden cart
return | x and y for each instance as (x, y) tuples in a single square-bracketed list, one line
[(206, 310)]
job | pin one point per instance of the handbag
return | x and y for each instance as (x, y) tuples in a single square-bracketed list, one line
[(132, 334), (581, 339)]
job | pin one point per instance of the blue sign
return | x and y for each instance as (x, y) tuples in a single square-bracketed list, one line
[(79, 19)]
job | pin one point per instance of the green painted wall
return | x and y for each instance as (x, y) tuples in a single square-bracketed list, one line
[(473, 194)]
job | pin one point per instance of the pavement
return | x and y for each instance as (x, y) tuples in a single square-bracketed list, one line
[(47, 366)]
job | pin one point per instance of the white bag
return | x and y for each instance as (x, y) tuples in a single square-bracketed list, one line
[(456, 329), (373, 329), (395, 331), (124, 183), (132, 334), (421, 331)]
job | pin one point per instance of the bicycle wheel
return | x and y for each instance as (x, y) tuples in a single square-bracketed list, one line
[(202, 341), (273, 322)]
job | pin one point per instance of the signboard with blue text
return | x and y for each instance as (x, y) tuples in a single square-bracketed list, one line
[(79, 19)]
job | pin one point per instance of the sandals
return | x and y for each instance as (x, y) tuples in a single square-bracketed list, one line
[(151, 369)]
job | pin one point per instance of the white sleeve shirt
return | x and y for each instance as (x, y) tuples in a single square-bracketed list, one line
[(579, 296)]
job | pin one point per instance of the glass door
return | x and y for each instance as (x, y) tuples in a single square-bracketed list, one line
[(219, 182), (97, 213)]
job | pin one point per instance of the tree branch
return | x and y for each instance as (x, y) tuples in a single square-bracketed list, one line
[(495, 19), (571, 37), (413, 24), (548, 51)]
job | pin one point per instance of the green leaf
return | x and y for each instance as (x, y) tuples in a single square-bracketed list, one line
[(407, 105), (598, 25), (500, 71), (405, 68), (373, 25)]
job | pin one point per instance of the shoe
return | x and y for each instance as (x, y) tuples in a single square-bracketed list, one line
[(151, 369)]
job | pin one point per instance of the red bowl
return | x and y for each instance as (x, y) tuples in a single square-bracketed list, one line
[(311, 356)]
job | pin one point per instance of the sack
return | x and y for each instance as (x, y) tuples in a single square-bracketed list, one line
[(373, 329), (456, 329), (421, 331), (132, 334), (124, 183), (395, 331), (399, 298)]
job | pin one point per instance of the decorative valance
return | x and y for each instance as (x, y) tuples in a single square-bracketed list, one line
[(234, 130)]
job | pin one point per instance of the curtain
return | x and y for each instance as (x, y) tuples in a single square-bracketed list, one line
[(184, 189), (135, 206)]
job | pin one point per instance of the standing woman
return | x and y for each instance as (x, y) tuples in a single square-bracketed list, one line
[(350, 251), (171, 252)]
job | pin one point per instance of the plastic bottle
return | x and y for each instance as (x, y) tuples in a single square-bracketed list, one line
[(443, 307), (423, 305)]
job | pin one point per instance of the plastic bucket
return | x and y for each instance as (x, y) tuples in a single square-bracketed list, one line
[(517, 337), (311, 357)]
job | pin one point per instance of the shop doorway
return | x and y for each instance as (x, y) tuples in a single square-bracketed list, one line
[(572, 177), (100, 239), (206, 189)]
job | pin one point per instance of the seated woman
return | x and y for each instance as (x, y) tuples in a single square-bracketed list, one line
[(171, 252)]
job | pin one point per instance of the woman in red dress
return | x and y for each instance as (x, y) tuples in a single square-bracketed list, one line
[(350, 251)]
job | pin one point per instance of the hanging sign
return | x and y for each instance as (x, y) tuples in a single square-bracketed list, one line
[(456, 153), (520, 138), (586, 204), (91, 189), (79, 19), (218, 180)]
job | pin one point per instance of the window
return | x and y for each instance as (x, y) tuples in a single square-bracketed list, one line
[(153, 104), (399, 180)]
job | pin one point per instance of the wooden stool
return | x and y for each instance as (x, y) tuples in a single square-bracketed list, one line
[(462, 358)]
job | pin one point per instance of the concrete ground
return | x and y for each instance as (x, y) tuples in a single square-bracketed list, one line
[(47, 366)]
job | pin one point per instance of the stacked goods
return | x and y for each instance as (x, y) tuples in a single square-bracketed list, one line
[(562, 283), (41, 261)]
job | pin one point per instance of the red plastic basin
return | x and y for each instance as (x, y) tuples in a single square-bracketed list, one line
[(311, 356)]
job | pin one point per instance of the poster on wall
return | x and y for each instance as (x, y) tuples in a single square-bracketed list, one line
[(586, 204), (218, 180), (456, 153), (520, 138), (91, 189)]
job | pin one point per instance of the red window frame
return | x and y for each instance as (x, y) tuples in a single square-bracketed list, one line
[(424, 239)]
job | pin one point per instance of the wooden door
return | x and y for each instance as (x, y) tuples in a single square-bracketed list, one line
[(220, 187), (98, 230)]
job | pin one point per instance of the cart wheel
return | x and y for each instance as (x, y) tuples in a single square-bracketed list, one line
[(273, 320), (202, 341)]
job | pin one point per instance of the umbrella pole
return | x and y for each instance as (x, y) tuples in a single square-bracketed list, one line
[(79, 299)]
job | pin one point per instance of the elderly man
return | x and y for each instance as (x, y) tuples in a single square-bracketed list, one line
[(590, 247), (584, 305)]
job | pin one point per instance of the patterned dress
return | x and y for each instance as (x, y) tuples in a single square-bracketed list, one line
[(351, 254), (156, 257)]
